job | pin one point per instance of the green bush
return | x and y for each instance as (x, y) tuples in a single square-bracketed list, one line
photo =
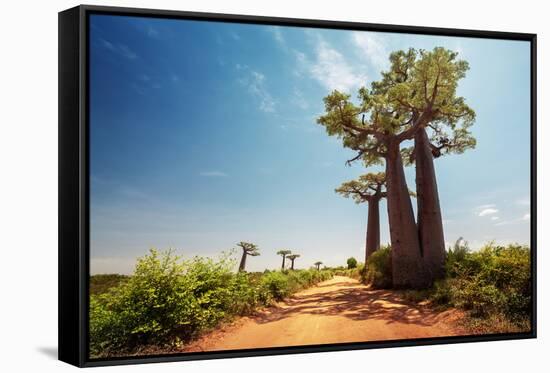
[(352, 263), (378, 272), (167, 300), (495, 280), (100, 284), (276, 285)]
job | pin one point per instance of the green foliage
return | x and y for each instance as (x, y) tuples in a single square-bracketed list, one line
[(284, 253), (496, 280), (352, 263), (419, 90), (249, 248), (100, 284), (365, 188), (168, 300), (378, 270)]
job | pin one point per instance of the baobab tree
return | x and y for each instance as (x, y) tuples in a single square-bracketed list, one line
[(424, 83), (292, 258), (283, 253), (369, 188), (248, 249), (318, 265), (418, 91)]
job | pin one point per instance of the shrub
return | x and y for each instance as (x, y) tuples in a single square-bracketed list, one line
[(493, 281), (502, 278), (352, 263), (167, 300), (378, 272), (276, 285), (100, 284)]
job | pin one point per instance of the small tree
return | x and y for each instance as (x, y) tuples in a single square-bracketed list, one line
[(292, 258), (248, 249), (352, 263), (318, 265), (284, 253), (369, 188)]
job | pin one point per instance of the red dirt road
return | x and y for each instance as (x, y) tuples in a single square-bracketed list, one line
[(335, 311)]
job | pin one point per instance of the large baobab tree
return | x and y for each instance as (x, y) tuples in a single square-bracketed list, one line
[(369, 188), (417, 92), (423, 84), (249, 249), (284, 253), (292, 258), (318, 265)]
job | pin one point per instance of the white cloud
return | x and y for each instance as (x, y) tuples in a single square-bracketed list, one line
[(152, 32), (255, 83), (332, 71), (213, 174), (371, 48), (144, 77), (278, 36), (526, 217), (488, 211), (120, 49), (524, 201), (481, 207), (495, 218), (300, 100), (126, 52)]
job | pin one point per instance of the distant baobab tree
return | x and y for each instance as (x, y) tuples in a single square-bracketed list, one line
[(292, 258), (369, 188), (318, 265), (284, 253), (248, 249)]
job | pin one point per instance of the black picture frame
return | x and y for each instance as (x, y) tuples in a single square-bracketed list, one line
[(74, 182)]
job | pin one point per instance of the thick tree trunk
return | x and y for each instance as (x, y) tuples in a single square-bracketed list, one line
[(243, 262), (283, 265), (430, 223), (373, 227), (407, 264), (292, 264)]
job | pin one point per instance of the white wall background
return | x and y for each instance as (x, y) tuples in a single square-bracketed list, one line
[(28, 184)]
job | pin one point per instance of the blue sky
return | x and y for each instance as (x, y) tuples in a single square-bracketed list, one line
[(203, 134)]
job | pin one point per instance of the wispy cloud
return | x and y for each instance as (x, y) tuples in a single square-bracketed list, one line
[(278, 36), (526, 217), (486, 206), (331, 69), (213, 174), (144, 78), (494, 218), (120, 49), (152, 32), (299, 99), (371, 48), (488, 211), (254, 81), (524, 201)]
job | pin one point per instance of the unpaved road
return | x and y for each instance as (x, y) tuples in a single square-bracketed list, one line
[(335, 311)]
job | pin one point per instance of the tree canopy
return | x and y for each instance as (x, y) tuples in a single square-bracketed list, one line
[(249, 248), (364, 188), (418, 91)]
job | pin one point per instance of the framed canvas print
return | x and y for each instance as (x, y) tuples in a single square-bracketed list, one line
[(235, 186)]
